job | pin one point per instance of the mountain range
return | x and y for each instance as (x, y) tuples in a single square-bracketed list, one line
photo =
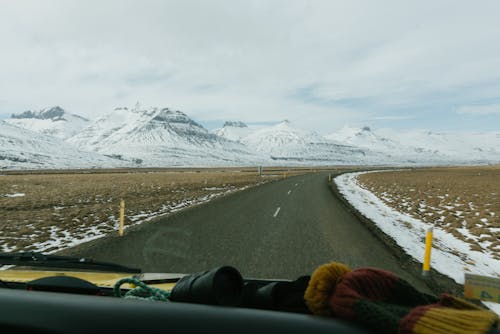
[(428, 147), (161, 137), (284, 143)]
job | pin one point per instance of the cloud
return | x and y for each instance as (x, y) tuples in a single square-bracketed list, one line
[(325, 63), (491, 109)]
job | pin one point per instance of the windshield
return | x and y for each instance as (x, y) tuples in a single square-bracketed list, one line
[(272, 136)]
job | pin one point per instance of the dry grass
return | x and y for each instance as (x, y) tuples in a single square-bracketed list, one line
[(464, 201), (59, 209)]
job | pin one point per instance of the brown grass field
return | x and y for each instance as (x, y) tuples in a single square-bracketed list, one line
[(52, 211), (464, 201)]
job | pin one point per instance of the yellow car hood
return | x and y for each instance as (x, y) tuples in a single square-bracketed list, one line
[(105, 280)]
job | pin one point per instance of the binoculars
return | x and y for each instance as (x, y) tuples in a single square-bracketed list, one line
[(224, 286), (220, 286)]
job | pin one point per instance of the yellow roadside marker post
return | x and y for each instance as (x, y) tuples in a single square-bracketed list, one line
[(427, 256), (122, 217)]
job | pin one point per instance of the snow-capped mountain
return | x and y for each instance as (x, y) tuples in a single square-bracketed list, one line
[(419, 146), (24, 149), (287, 144), (455, 147), (53, 121), (234, 131), (363, 137), (366, 138), (159, 137)]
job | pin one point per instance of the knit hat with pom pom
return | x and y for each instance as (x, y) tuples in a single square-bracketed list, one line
[(386, 303)]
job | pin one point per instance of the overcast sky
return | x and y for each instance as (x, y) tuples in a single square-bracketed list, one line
[(321, 64)]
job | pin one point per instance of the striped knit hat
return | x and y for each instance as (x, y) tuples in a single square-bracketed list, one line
[(386, 303)]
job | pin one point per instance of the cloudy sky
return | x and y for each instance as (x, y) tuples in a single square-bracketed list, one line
[(321, 64)]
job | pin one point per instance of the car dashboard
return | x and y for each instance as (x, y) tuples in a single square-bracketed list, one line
[(83, 302)]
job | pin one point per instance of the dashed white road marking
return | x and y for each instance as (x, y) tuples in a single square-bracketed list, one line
[(277, 211), (289, 191), (296, 184)]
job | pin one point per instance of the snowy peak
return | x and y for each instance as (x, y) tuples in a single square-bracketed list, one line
[(348, 132), (283, 134), (158, 115), (167, 122), (166, 115), (233, 130), (363, 137), (151, 125), (54, 113), (54, 121)]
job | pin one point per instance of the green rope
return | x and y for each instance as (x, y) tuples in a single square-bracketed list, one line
[(141, 291)]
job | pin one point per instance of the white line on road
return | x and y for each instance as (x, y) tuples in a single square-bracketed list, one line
[(277, 211), (296, 184), (289, 191)]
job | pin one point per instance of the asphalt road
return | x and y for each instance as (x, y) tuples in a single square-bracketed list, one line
[(282, 229)]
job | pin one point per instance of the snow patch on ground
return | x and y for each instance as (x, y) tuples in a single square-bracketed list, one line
[(495, 307), (450, 256), (14, 195)]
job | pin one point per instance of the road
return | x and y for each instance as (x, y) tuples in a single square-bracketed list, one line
[(282, 229)]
